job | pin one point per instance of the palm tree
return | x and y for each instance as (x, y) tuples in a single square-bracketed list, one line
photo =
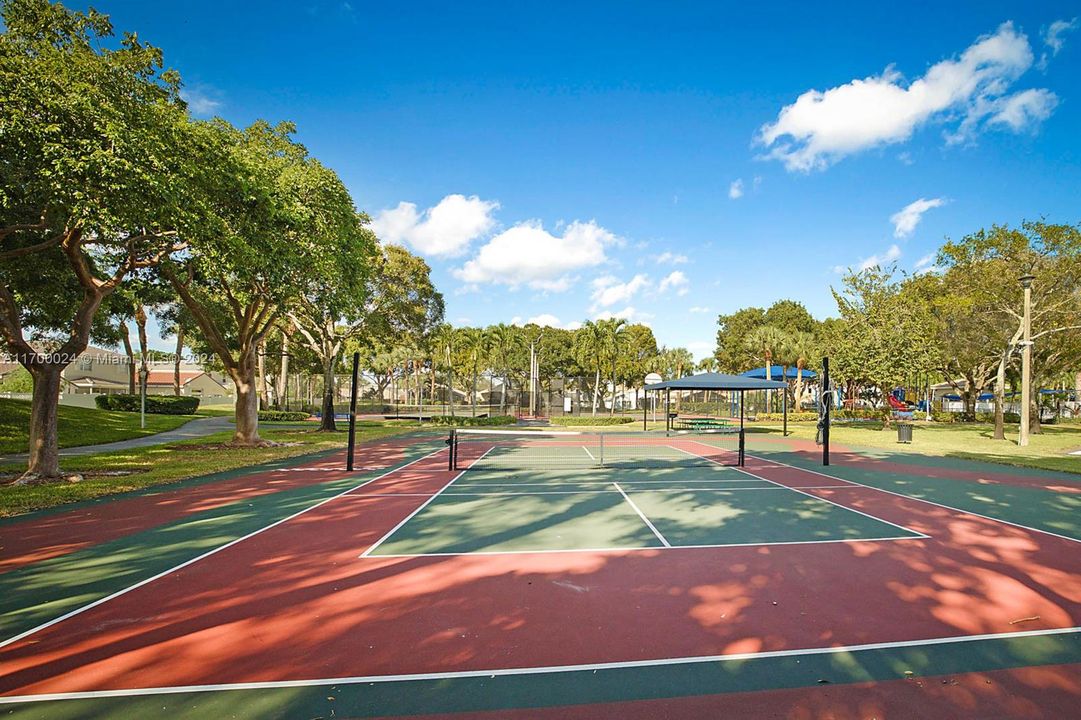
[(803, 349), (474, 341), (504, 339), (766, 342), (708, 364), (589, 348), (613, 344), (444, 340)]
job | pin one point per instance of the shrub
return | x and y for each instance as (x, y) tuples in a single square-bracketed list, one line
[(590, 420), (466, 421), (155, 404), (282, 415), (792, 416)]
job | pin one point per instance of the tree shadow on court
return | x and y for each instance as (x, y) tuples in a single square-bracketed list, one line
[(296, 602)]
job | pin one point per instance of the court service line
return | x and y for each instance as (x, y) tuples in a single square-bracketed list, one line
[(642, 515), (915, 533), (423, 505), (922, 500), (541, 670), (191, 561), (654, 548)]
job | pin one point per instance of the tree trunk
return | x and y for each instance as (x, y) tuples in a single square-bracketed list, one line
[(264, 395), (247, 404), (474, 395), (799, 386), (1000, 397), (144, 370), (327, 422), (124, 336), (176, 359), (596, 389), (612, 410), (283, 383), (44, 448)]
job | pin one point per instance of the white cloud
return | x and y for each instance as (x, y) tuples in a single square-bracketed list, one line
[(892, 253), (822, 127), (907, 218), (200, 100), (1053, 37), (527, 254), (675, 280), (735, 190), (699, 309), (670, 258), (701, 349), (609, 291), (445, 230), (1024, 110), (925, 261), (629, 313), (545, 320)]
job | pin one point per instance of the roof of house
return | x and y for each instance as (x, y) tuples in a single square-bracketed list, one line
[(718, 381)]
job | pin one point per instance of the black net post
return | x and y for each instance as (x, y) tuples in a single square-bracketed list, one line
[(827, 401), (353, 413), (452, 451), (784, 433), (742, 446)]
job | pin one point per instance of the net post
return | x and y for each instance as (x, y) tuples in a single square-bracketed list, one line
[(742, 447), (452, 450), (352, 414), (826, 411), (601, 435)]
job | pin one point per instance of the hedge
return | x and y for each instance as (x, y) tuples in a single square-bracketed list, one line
[(590, 420), (282, 415), (467, 421), (155, 404)]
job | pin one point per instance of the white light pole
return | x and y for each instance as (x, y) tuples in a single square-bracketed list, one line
[(1026, 360)]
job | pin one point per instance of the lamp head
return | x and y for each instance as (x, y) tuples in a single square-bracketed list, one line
[(1026, 280)]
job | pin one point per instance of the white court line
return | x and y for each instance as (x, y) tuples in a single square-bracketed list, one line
[(643, 516), (422, 506), (547, 669), (853, 483), (815, 497), (455, 493), (645, 548), (186, 563), (589, 453)]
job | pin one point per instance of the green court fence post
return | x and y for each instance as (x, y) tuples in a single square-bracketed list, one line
[(353, 413)]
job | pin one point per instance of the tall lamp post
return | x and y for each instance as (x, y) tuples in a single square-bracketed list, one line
[(1026, 359)]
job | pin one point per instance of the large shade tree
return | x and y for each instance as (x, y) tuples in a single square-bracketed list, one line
[(275, 234), (100, 177)]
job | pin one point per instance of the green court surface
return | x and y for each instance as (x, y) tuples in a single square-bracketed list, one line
[(614, 509)]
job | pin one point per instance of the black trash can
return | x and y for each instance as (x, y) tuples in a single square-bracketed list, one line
[(904, 432)]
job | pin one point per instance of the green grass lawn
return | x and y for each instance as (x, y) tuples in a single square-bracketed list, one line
[(80, 426), (972, 441), (157, 465)]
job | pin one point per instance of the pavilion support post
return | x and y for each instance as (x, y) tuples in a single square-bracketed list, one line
[(667, 410), (784, 433)]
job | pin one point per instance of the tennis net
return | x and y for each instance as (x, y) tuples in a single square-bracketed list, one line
[(485, 449)]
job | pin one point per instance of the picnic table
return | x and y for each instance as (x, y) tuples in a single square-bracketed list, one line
[(703, 423)]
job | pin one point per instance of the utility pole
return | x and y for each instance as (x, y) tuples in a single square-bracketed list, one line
[(1026, 360)]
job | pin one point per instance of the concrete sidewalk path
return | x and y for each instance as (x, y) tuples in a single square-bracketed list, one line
[(199, 427)]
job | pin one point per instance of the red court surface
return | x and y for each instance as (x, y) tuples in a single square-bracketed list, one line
[(298, 602)]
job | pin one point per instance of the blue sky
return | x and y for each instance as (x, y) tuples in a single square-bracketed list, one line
[(663, 162)]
